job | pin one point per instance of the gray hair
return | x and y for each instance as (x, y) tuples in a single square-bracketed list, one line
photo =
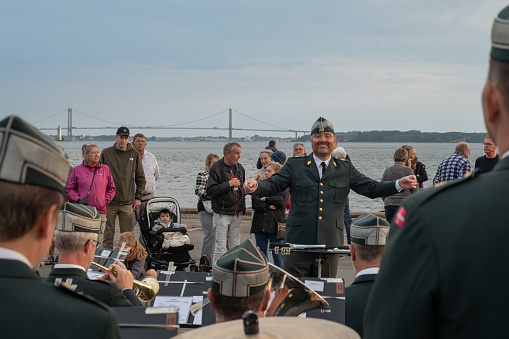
[(268, 151), (85, 149), (229, 146), (400, 155), (68, 243), (339, 153), (276, 166)]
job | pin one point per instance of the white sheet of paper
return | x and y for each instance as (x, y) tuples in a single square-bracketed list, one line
[(183, 303), (198, 317), (106, 253), (92, 275), (315, 285)]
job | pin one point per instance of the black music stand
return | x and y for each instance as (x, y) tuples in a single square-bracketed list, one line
[(141, 322)]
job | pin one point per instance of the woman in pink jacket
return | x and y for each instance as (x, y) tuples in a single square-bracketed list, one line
[(91, 179)]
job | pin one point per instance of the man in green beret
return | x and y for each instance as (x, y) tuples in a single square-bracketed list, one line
[(33, 176), (76, 241), (443, 270), (319, 186), (369, 235), (239, 283)]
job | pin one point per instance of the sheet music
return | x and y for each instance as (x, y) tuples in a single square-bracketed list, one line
[(183, 303), (92, 275), (198, 317)]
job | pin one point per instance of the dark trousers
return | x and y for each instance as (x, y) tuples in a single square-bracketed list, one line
[(390, 211), (262, 242), (300, 264), (347, 218)]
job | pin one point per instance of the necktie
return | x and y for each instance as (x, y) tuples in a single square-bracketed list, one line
[(324, 167)]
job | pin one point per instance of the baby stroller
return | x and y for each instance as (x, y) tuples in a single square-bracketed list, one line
[(159, 257)]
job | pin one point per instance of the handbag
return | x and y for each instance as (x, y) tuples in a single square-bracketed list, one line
[(84, 201), (281, 231), (207, 204)]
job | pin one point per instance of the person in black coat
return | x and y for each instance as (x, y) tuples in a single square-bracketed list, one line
[(417, 166), (269, 211)]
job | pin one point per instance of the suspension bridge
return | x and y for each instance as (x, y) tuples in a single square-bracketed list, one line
[(180, 126)]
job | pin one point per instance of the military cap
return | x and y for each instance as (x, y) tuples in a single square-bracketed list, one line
[(278, 156), (240, 272), (322, 125), (500, 36), (29, 157), (123, 131), (369, 229), (78, 218)]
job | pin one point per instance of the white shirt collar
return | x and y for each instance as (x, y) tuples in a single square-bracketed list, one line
[(70, 266), (371, 270), (8, 254), (318, 162)]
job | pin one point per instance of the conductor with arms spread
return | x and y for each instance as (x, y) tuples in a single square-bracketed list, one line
[(432, 282), (319, 185), (33, 176)]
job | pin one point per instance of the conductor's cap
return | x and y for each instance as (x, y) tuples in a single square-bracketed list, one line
[(322, 125), (29, 157), (240, 272), (370, 230), (500, 36), (78, 218)]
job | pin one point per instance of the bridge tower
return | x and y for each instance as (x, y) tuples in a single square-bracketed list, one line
[(230, 128), (69, 124)]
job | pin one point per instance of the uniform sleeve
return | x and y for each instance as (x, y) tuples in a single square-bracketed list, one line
[(279, 182), (368, 187), (405, 292), (71, 190), (132, 298), (139, 178)]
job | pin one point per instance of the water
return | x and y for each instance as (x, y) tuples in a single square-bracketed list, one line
[(179, 163)]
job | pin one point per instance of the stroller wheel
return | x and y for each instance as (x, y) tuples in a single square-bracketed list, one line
[(205, 265)]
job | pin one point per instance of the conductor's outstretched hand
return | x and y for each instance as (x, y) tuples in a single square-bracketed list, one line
[(250, 186), (410, 181)]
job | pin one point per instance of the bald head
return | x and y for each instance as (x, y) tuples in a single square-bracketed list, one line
[(463, 148)]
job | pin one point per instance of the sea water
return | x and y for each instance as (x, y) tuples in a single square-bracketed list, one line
[(180, 162)]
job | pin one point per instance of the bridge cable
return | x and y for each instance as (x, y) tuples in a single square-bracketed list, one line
[(54, 115), (90, 116), (263, 122), (210, 116)]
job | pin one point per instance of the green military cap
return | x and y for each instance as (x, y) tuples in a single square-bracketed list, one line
[(500, 36), (322, 125), (78, 218), (369, 229), (240, 272), (29, 157)]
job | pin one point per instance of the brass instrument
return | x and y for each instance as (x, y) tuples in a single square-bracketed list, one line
[(289, 296), (145, 290)]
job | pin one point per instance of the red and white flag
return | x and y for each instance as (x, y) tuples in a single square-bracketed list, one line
[(399, 220)]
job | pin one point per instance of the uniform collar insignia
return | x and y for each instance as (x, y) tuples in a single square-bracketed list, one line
[(309, 163)]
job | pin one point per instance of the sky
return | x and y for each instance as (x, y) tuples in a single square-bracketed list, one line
[(363, 65)]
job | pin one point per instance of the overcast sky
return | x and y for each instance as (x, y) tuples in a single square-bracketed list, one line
[(363, 65)]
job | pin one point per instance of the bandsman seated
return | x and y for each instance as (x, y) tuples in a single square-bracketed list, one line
[(76, 241), (239, 283)]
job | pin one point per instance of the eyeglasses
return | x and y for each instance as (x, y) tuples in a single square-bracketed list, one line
[(97, 243), (487, 144)]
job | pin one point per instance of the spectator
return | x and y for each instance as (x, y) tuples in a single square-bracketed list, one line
[(278, 156), (455, 166), (150, 166), (270, 211), (135, 260), (416, 166), (395, 172), (265, 159), (272, 147), (205, 211), (127, 170), (91, 183), (224, 186), (299, 149), (490, 159)]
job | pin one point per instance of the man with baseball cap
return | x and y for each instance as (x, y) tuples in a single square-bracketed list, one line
[(443, 271), (33, 176), (239, 283), (76, 239), (319, 185), (125, 163), (369, 235)]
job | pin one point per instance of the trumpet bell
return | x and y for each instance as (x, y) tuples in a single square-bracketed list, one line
[(146, 289), (289, 296)]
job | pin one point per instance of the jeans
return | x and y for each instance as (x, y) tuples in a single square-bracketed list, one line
[(262, 242), (209, 234), (227, 233), (347, 218)]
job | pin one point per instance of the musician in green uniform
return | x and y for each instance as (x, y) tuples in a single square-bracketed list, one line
[(76, 240), (319, 185), (369, 235), (443, 270), (33, 176)]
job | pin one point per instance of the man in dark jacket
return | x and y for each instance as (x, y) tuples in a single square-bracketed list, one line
[(125, 164), (224, 187), (75, 240)]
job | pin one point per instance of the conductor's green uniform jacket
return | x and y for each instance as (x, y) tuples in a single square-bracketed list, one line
[(317, 205), (444, 270)]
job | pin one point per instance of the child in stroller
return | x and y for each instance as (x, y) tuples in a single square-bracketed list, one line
[(163, 234)]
